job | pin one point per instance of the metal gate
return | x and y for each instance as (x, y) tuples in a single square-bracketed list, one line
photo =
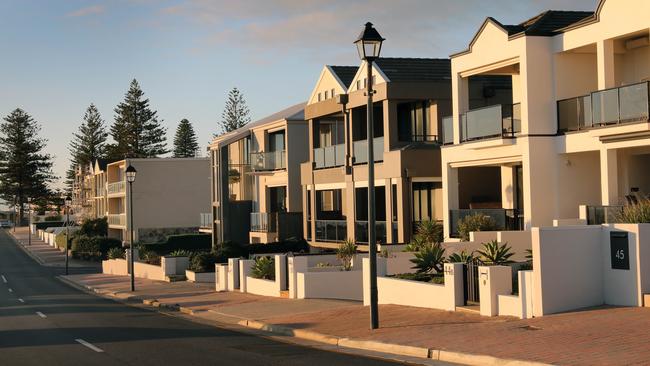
[(470, 282)]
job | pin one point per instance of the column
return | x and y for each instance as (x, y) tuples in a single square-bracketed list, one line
[(449, 195), (460, 96), (389, 211), (609, 177), (507, 187), (605, 55)]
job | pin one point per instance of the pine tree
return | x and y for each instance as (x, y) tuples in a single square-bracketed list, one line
[(185, 142), (25, 170), (235, 113), (137, 132), (88, 144)]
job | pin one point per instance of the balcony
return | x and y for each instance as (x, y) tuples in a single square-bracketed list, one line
[(506, 219), (597, 215), (361, 231), (117, 219), (360, 150), (116, 188), (331, 230), (447, 131), (264, 222), (266, 161), (206, 220), (330, 156), (630, 103), (503, 120)]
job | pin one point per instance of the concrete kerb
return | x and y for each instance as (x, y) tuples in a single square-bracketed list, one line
[(364, 345), (36, 258)]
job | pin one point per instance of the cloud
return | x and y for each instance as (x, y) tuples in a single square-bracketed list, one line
[(90, 10)]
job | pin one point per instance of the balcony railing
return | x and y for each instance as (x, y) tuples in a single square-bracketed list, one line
[(272, 160), (117, 187), (597, 215), (361, 231), (447, 131), (506, 219), (330, 156), (503, 120), (264, 222), (360, 149), (331, 230), (206, 220), (117, 219), (630, 103)]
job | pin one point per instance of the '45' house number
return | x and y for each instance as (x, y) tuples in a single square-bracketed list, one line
[(619, 250)]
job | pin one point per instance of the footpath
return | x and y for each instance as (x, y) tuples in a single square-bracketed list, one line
[(599, 336)]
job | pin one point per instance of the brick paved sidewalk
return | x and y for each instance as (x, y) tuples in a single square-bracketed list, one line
[(46, 254), (602, 336)]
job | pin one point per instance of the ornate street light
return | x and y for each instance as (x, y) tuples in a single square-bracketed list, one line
[(130, 177), (369, 47)]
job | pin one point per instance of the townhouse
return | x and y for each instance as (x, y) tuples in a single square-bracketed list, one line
[(81, 193), (168, 196), (411, 97), (256, 192), (572, 129), (100, 198)]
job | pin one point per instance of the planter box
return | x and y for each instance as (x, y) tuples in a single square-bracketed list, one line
[(200, 277)]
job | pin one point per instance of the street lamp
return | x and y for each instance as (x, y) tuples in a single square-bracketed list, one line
[(369, 46), (29, 217), (68, 205), (130, 177)]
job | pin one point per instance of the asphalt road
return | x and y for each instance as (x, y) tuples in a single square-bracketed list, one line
[(45, 322)]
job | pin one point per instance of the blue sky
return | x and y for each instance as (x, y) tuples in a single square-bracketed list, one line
[(60, 56)]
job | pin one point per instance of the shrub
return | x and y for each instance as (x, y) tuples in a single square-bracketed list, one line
[(203, 262), (421, 277), (94, 227), (264, 268), (53, 218), (430, 258), (60, 239), (289, 245), (638, 213), (475, 222), (345, 252), (116, 253), (148, 256), (429, 231), (415, 245), (84, 247), (495, 254), (189, 242), (462, 257), (180, 253)]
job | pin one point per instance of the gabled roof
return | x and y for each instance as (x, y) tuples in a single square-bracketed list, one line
[(103, 163), (415, 69), (294, 113), (345, 73)]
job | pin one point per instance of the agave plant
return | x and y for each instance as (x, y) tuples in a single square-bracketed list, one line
[(462, 257), (414, 246), (345, 252), (264, 268), (529, 255), (429, 231), (495, 254), (429, 259)]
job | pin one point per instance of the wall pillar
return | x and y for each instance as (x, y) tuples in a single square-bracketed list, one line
[(449, 195), (460, 101), (349, 196), (296, 265), (389, 211), (606, 64), (507, 187), (233, 274), (609, 176), (493, 281)]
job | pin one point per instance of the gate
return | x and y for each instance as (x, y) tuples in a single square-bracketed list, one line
[(470, 282)]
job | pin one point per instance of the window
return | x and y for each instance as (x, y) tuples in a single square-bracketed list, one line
[(327, 94), (276, 141), (358, 84), (330, 133), (413, 122), (361, 200), (424, 201), (332, 93), (319, 97)]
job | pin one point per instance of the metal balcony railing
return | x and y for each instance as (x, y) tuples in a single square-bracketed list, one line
[(361, 231), (503, 120), (271, 160), (264, 222), (331, 230), (506, 219), (117, 219), (330, 156), (630, 103), (117, 187), (360, 150)]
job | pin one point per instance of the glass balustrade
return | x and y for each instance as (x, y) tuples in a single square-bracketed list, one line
[(503, 120), (264, 222), (272, 160), (329, 156), (448, 130), (360, 149), (361, 231), (331, 230)]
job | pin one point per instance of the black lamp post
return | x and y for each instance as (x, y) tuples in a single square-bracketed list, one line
[(369, 46), (68, 204), (29, 217), (130, 177)]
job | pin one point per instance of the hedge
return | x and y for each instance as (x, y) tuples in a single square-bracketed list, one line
[(289, 245), (190, 242), (94, 227), (93, 248), (48, 224)]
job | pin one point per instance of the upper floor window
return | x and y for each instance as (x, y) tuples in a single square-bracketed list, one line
[(319, 97), (327, 94), (415, 123)]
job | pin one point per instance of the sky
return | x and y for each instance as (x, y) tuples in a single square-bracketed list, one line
[(58, 57)]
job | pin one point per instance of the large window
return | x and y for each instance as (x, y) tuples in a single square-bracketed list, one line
[(359, 122), (276, 141), (329, 204), (415, 122), (278, 199), (424, 201), (330, 132), (361, 200)]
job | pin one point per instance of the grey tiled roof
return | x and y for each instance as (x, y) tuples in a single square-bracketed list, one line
[(345, 73), (548, 23), (415, 69)]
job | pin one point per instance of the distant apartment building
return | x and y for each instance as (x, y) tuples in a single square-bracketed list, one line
[(168, 196), (81, 192), (256, 192), (100, 197), (572, 129), (412, 96)]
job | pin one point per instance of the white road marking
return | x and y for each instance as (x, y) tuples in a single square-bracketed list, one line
[(4, 279), (10, 290), (21, 300), (41, 314), (96, 349)]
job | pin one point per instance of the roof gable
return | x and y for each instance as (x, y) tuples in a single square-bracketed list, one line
[(332, 78)]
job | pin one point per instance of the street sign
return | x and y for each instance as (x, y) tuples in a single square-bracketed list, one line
[(620, 252)]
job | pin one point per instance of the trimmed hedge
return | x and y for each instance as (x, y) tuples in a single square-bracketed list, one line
[(190, 242), (94, 227), (289, 245), (47, 224), (93, 248)]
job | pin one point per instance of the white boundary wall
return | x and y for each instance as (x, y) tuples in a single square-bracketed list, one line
[(117, 267), (200, 277), (519, 241), (413, 293), (520, 305), (263, 287)]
